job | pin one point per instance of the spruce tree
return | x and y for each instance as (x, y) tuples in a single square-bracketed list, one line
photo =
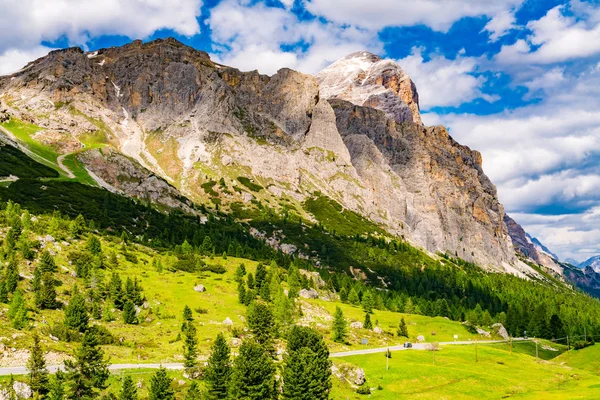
[(253, 376), (339, 327), (11, 276), (129, 314), (307, 368), (38, 374), (45, 298), (260, 321), (193, 393), (57, 386), (368, 302), (343, 295), (93, 245), (242, 293), (187, 314), (250, 279), (293, 282), (47, 263), (128, 390), (88, 372), (17, 311), (402, 328), (260, 275), (240, 272), (353, 297), (3, 292), (115, 288), (77, 226), (160, 386), (76, 315), (368, 324), (218, 371), (190, 346)]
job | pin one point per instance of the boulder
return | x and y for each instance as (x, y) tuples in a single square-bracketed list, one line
[(350, 373), (421, 338), (501, 331), (356, 325), (309, 293), (199, 288), (22, 390), (228, 322), (378, 330)]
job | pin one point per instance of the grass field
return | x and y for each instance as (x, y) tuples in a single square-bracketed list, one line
[(23, 132), (456, 375)]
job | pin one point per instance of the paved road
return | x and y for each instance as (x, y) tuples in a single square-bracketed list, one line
[(116, 367)]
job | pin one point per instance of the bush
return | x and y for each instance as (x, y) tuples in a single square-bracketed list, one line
[(103, 334), (364, 389), (201, 310), (217, 269), (60, 331)]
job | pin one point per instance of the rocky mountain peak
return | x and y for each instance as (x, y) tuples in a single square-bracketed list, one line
[(366, 79)]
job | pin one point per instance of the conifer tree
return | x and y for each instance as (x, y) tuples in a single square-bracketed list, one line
[(253, 376), (260, 275), (402, 328), (190, 346), (353, 297), (293, 282), (218, 371), (242, 293), (187, 314), (307, 369), (77, 226), (116, 294), (193, 393), (368, 302), (160, 386), (339, 327), (3, 292), (128, 390), (343, 294), (93, 245), (17, 311), (409, 307), (76, 315), (367, 324), (11, 276), (250, 279), (47, 263), (260, 321), (88, 372), (36, 282), (57, 386), (45, 298), (207, 245), (240, 272), (38, 374), (129, 314)]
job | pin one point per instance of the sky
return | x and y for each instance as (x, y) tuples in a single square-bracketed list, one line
[(518, 80)]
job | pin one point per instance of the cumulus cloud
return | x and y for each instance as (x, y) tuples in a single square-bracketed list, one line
[(441, 81), (437, 14), (14, 59), (557, 36), (500, 24), (25, 24), (253, 36)]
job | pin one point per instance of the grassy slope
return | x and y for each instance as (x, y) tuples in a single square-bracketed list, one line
[(456, 375)]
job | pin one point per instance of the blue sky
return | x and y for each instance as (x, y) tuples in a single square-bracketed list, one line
[(518, 80)]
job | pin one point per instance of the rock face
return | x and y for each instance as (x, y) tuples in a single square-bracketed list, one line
[(531, 247), (592, 262), (353, 133)]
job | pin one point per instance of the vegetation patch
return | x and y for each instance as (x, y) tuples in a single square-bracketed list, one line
[(249, 184)]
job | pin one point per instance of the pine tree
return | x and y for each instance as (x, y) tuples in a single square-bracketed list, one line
[(88, 372), (128, 390), (45, 298), (368, 302), (47, 263), (11, 276), (339, 326), (115, 288), (367, 324), (307, 369), (17, 311), (293, 282), (77, 226), (240, 272), (129, 313), (343, 295), (76, 315), (217, 374), (193, 393), (38, 374), (187, 314), (207, 246), (284, 308), (3, 292), (556, 327), (260, 321), (190, 346), (57, 386), (93, 245), (260, 275), (250, 279), (242, 293), (253, 376), (402, 328), (160, 386), (409, 307), (36, 282), (353, 297)]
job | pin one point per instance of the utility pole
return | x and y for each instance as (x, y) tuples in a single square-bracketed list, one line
[(568, 345), (476, 355), (536, 349), (511, 345), (387, 360)]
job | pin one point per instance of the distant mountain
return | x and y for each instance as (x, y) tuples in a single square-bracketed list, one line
[(592, 262), (571, 261), (541, 247)]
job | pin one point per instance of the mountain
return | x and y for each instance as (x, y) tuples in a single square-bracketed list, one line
[(571, 261), (352, 134), (541, 248), (592, 262)]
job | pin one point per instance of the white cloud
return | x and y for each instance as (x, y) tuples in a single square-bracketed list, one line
[(24, 24), (251, 37), (13, 59), (500, 24), (438, 14), (557, 37), (443, 82)]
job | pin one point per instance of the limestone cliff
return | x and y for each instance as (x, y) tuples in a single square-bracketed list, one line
[(353, 133)]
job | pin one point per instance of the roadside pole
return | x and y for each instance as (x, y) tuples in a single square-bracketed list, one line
[(476, 355)]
